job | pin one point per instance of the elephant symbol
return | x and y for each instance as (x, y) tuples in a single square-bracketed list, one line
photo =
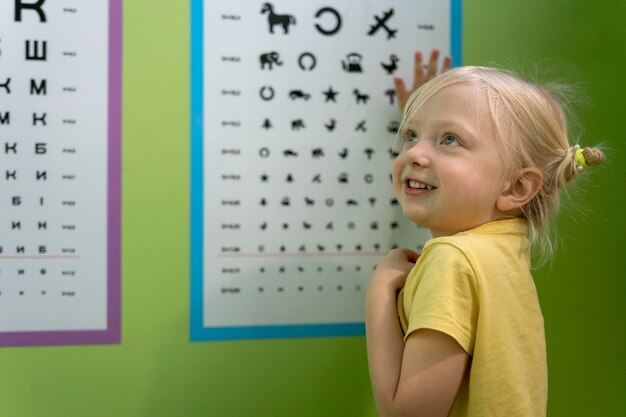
[(269, 59)]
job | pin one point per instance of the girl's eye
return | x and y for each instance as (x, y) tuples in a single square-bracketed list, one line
[(450, 140), (410, 136)]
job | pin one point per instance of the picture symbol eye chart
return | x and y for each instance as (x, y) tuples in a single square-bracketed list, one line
[(60, 174), (293, 120)]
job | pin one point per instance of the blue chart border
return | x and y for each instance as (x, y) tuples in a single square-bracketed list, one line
[(198, 331)]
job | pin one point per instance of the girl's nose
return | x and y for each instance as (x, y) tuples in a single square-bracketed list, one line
[(418, 154)]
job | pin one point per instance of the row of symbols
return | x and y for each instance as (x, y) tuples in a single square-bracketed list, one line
[(299, 124), (342, 178), (330, 125), (329, 22), (319, 248), (310, 202), (330, 95), (234, 290), (316, 153), (307, 61), (300, 269), (312, 226), (265, 152), (305, 248)]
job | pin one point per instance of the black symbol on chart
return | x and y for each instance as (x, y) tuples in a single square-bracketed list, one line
[(266, 93), (285, 226), (330, 95), (391, 93), (369, 152), (393, 202), (309, 201), (352, 202), (307, 226), (343, 154), (360, 127), (267, 124), (374, 225), (263, 202), (269, 59), (264, 177), (393, 127), (360, 97), (262, 226), (352, 63), (286, 201), (302, 248), (343, 178), (296, 94), (372, 201), (381, 22), (289, 178), (317, 179), (290, 153), (392, 65), (310, 57), (321, 248), (335, 13), (264, 152), (331, 125), (339, 247), (274, 19), (317, 153), (330, 226), (369, 178), (297, 124)]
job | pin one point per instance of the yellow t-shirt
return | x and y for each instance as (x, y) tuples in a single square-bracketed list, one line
[(476, 287)]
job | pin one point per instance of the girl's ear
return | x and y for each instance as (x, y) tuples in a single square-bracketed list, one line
[(523, 189)]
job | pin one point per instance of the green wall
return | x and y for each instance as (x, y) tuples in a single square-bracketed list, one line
[(157, 372)]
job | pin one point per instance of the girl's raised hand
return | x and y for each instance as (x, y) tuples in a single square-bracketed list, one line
[(420, 75)]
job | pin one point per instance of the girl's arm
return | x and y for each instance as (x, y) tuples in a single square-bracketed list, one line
[(420, 377)]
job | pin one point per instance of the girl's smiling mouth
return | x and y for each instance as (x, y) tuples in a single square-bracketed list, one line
[(417, 185)]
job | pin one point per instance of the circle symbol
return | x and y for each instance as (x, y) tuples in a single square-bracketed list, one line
[(266, 93), (334, 12), (301, 61)]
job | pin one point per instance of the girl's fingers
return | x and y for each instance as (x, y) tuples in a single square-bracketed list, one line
[(418, 71), (432, 64), (447, 64), (401, 92)]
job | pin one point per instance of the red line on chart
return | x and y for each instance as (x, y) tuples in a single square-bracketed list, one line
[(299, 255), (41, 257)]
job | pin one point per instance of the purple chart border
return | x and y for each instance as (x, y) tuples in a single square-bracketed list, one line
[(112, 333)]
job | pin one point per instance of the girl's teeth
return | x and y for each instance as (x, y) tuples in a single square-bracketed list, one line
[(415, 184)]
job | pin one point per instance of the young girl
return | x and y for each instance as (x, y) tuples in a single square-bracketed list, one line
[(458, 331)]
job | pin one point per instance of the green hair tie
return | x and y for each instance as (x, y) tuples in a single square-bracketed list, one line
[(581, 163)]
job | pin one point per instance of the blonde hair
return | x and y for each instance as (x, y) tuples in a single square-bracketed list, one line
[(531, 124)]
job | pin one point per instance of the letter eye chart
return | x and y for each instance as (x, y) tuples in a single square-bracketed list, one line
[(60, 113), (293, 120)]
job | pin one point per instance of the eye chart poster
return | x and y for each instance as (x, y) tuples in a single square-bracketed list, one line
[(293, 118), (60, 89)]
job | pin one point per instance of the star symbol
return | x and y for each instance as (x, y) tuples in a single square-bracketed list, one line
[(330, 95)]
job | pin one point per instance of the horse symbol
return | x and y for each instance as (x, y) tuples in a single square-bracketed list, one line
[(273, 19)]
